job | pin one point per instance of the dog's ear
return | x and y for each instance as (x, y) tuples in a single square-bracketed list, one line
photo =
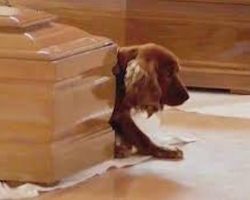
[(124, 55), (142, 87)]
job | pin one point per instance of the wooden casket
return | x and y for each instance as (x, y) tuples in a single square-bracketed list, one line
[(56, 96)]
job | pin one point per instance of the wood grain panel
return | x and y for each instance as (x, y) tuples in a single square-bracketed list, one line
[(198, 31), (106, 18), (191, 10), (206, 36), (194, 40), (194, 31), (26, 111), (46, 100), (52, 162), (80, 99), (247, 2)]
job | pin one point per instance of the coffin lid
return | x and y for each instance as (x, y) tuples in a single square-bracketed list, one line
[(33, 35)]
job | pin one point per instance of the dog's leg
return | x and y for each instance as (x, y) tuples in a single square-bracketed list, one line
[(130, 132), (123, 149)]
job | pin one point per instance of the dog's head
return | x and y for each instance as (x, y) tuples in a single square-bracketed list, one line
[(151, 78)]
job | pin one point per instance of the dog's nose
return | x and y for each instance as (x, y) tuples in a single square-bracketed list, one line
[(185, 96), (180, 97)]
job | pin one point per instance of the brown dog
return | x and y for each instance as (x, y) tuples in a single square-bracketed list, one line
[(146, 79)]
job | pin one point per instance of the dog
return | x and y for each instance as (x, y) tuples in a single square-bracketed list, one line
[(146, 79)]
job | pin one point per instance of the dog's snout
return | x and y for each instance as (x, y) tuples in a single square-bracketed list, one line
[(185, 95), (180, 97), (176, 94)]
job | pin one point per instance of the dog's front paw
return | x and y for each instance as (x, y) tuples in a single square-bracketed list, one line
[(168, 153), (122, 151)]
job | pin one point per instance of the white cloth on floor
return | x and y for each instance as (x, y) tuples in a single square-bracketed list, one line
[(159, 133), (31, 190)]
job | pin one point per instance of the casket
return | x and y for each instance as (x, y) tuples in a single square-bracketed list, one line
[(56, 96)]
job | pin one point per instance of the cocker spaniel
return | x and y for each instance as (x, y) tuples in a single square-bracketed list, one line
[(146, 79)]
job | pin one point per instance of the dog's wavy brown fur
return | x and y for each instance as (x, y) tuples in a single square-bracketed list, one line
[(157, 86)]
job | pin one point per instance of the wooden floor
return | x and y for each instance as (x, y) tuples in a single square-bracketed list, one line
[(216, 167)]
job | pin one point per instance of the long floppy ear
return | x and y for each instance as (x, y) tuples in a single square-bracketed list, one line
[(116, 69), (135, 75), (124, 55), (142, 88)]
